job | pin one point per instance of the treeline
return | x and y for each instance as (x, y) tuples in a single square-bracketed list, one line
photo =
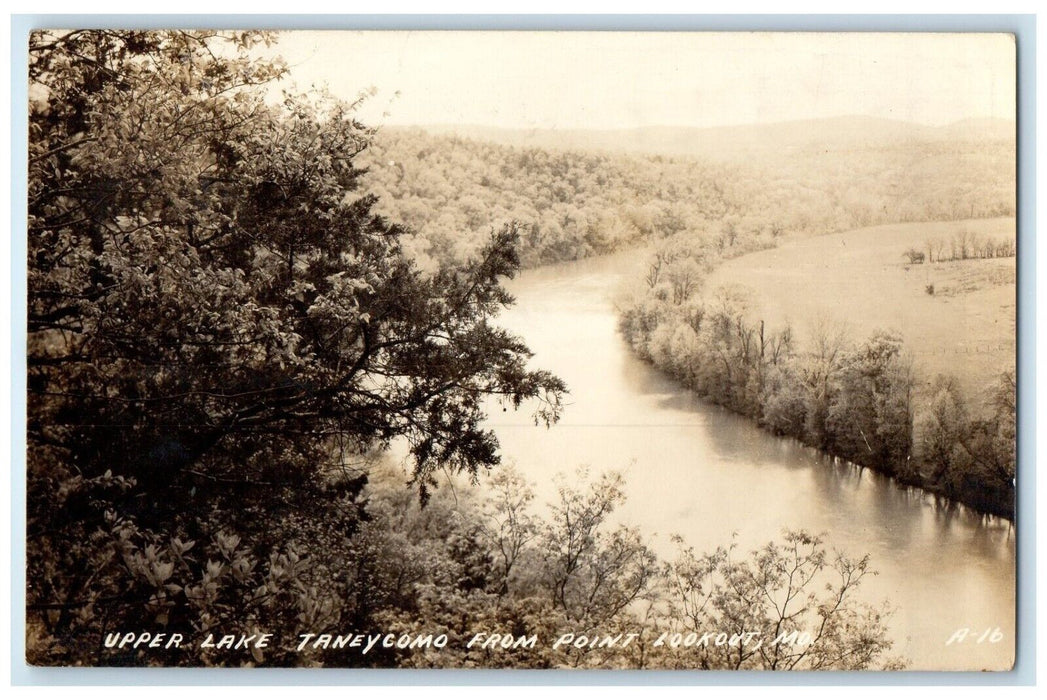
[(446, 585), (856, 399), (962, 245), (450, 191)]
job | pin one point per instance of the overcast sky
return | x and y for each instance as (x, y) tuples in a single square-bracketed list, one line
[(606, 80)]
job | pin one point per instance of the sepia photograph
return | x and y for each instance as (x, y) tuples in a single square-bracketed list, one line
[(443, 349)]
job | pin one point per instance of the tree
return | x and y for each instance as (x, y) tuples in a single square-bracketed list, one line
[(218, 322), (915, 256), (972, 459), (784, 410), (870, 418), (796, 599), (685, 278), (507, 524), (943, 427), (593, 575), (818, 370)]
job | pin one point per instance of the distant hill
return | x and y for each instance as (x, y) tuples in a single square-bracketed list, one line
[(981, 129), (738, 142)]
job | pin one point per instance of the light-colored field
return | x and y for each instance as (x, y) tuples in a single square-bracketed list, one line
[(863, 279)]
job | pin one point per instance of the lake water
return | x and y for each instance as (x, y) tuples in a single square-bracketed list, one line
[(697, 470)]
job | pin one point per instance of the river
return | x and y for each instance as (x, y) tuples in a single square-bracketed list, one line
[(696, 470)]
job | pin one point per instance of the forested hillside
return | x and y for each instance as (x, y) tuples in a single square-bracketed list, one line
[(451, 191)]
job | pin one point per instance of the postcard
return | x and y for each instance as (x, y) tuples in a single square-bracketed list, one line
[(521, 350)]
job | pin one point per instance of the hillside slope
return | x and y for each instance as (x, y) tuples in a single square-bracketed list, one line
[(451, 191)]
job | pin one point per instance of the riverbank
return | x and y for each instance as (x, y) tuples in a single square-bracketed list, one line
[(860, 396)]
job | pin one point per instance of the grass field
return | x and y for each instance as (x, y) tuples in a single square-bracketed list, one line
[(863, 279)]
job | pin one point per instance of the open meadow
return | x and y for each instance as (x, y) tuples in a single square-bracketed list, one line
[(864, 280)]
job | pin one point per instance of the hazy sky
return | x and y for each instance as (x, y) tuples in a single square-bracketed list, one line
[(617, 80)]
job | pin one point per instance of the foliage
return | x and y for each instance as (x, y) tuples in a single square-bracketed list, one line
[(219, 326), (577, 571), (870, 420), (790, 586), (484, 561), (971, 458)]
